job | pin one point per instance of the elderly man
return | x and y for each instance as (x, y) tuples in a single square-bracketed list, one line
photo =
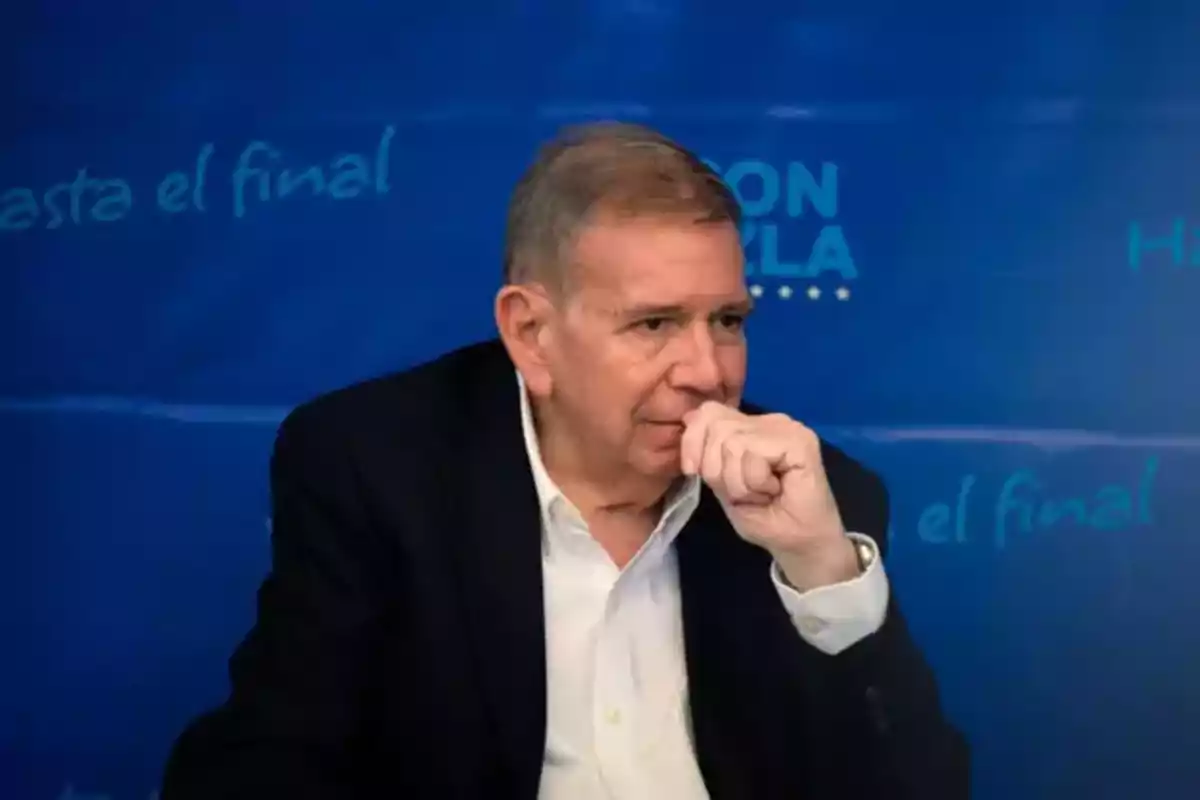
[(573, 563)]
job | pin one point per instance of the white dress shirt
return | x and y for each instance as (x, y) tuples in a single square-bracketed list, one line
[(617, 699)]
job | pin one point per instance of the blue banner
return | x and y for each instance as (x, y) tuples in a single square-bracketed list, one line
[(973, 233)]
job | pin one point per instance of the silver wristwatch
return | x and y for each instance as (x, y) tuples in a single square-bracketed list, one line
[(865, 553)]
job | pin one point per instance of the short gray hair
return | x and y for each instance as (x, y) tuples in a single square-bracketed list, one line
[(609, 168)]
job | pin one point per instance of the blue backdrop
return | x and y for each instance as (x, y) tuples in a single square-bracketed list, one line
[(975, 235)]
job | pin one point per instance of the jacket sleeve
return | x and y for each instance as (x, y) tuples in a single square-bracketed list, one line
[(297, 679)]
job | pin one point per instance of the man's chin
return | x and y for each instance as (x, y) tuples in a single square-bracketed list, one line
[(661, 463)]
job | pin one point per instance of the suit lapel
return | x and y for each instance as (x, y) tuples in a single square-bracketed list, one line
[(737, 640), (500, 566), (717, 741)]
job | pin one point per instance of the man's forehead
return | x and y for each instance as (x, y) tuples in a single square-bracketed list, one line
[(605, 233), (667, 264)]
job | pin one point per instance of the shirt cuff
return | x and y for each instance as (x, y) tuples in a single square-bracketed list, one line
[(832, 618)]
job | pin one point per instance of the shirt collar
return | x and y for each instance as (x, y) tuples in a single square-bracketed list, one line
[(681, 504), (547, 491)]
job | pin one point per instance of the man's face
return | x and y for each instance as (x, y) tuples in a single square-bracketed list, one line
[(651, 327)]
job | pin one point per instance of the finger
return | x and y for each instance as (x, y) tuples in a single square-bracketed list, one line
[(754, 499), (691, 445), (759, 475), (712, 461), (733, 449), (696, 433), (792, 445)]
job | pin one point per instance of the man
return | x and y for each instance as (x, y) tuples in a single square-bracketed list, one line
[(571, 564)]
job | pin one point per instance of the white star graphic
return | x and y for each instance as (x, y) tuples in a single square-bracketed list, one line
[(785, 292), (814, 293), (842, 293), (756, 291)]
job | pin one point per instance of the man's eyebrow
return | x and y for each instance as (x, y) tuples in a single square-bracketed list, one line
[(743, 307), (653, 310)]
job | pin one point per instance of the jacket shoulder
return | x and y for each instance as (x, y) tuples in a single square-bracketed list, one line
[(423, 398)]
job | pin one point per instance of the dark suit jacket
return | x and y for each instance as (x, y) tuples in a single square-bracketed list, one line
[(399, 647)]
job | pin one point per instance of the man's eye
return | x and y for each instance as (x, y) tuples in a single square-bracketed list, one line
[(654, 324), (733, 321)]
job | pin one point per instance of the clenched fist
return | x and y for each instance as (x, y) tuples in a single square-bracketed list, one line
[(767, 473)]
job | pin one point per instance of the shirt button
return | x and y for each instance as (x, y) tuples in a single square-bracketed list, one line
[(811, 626), (612, 716)]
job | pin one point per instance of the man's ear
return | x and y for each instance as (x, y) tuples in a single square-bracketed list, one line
[(524, 316)]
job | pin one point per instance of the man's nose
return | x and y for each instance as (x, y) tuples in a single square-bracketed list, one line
[(696, 367)]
